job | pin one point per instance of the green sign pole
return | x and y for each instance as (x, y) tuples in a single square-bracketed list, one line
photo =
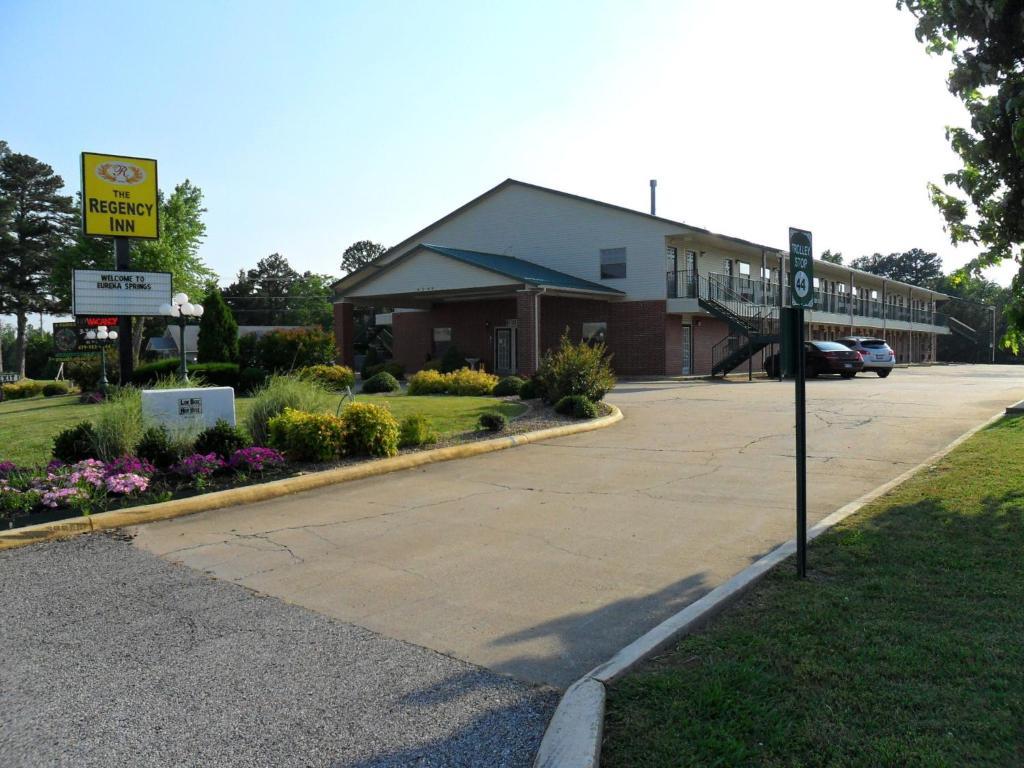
[(802, 291)]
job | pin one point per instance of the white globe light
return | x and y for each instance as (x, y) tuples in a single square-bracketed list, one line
[(180, 298), (175, 310), (90, 335), (101, 334), (197, 310), (186, 308), (101, 328), (165, 309), (112, 335)]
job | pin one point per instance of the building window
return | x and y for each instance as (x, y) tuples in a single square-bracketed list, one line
[(442, 335), (671, 254), (594, 333), (744, 269), (613, 263)]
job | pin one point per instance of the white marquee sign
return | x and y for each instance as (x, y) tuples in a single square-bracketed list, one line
[(198, 407), (113, 292)]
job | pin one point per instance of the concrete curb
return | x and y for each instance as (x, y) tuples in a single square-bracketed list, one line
[(573, 737), (148, 513)]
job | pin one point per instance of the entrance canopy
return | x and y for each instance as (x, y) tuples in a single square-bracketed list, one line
[(431, 273)]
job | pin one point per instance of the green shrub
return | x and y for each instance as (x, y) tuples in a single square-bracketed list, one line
[(156, 447), (75, 443), (452, 360), (492, 421), (428, 383), (577, 406), (216, 374), (56, 388), (248, 351), (370, 430), (370, 360), (283, 392), (218, 331), (85, 373), (20, 390), (395, 369), (431, 365), (148, 373), (118, 424), (295, 348), (416, 430), (250, 379), (508, 386), (382, 382), (575, 369), (334, 377), (305, 436), (222, 439), (528, 390)]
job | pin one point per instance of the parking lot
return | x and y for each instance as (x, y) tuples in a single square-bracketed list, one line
[(542, 561)]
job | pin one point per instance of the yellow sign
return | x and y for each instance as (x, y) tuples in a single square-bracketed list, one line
[(119, 196)]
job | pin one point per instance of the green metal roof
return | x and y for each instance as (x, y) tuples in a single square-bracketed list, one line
[(521, 270)]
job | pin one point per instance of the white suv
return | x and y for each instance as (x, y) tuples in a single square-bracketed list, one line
[(876, 354)]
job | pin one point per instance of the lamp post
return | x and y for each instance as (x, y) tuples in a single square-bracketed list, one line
[(182, 309), (102, 334)]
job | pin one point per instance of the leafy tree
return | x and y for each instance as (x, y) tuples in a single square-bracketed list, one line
[(259, 295), (35, 223), (983, 202), (218, 331), (832, 258), (915, 266), (359, 254), (972, 303), (310, 300)]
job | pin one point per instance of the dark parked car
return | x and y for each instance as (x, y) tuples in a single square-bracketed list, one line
[(823, 357)]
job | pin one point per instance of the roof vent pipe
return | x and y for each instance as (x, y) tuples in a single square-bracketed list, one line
[(654, 186)]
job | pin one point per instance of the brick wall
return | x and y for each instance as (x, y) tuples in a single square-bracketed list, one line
[(705, 336), (472, 324)]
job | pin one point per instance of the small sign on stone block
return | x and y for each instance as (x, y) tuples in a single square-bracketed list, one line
[(178, 408)]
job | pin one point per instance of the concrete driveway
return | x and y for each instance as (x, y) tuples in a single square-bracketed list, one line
[(542, 561)]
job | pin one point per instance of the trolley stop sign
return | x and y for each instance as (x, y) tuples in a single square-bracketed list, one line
[(801, 270)]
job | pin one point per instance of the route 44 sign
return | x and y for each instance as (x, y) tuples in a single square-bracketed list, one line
[(801, 271)]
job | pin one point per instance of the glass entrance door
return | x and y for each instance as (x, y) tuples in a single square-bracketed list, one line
[(504, 350)]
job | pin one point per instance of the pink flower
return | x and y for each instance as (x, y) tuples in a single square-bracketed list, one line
[(126, 483)]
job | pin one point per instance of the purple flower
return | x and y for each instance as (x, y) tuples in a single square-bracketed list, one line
[(255, 459), (199, 465), (129, 465), (7, 468), (126, 483), (58, 497)]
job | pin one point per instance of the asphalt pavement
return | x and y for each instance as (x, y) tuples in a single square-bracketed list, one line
[(114, 657)]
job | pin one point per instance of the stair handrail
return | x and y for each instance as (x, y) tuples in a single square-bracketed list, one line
[(753, 317)]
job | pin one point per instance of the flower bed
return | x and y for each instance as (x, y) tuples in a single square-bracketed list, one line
[(29, 495)]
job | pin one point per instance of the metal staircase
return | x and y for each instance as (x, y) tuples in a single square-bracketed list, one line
[(963, 330), (752, 326)]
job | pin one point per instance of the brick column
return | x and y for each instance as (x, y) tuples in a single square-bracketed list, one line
[(527, 335), (344, 332)]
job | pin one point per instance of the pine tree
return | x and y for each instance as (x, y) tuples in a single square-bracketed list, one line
[(218, 331)]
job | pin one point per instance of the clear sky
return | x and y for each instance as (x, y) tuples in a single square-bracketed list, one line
[(309, 125)]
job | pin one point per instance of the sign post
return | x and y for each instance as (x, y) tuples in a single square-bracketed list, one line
[(802, 285), (119, 200)]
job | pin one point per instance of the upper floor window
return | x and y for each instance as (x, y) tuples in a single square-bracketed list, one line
[(671, 255), (613, 263), (744, 268)]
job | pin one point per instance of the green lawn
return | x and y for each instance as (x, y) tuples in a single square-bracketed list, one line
[(27, 427), (904, 647)]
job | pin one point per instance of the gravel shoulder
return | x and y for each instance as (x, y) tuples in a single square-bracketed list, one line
[(115, 657)]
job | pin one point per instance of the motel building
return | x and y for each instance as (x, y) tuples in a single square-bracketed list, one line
[(506, 274)]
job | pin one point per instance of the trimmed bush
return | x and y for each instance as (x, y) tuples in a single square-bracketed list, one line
[(528, 390), (304, 436), (75, 443), (382, 382), (575, 369), (370, 430), (222, 439), (333, 377), (577, 406), (492, 421), (295, 348), (20, 390), (452, 360), (431, 365), (460, 382), (118, 424), (395, 369), (85, 373), (148, 373), (218, 331), (250, 379), (370, 360), (156, 447), (416, 430), (56, 388), (216, 374), (508, 386), (284, 392)]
